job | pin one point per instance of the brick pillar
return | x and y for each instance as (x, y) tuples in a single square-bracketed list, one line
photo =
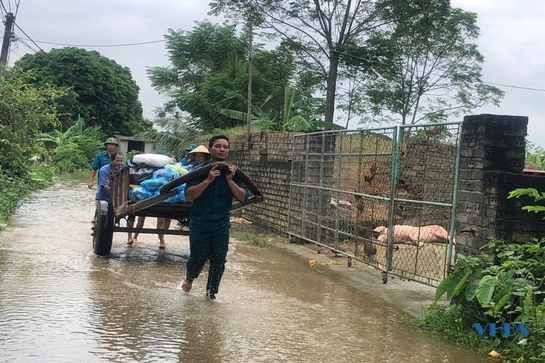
[(492, 159)]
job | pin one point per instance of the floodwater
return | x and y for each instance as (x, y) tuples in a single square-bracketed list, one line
[(61, 303)]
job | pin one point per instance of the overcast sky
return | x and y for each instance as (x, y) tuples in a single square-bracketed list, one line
[(512, 41)]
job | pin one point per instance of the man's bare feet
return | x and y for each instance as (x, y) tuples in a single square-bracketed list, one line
[(187, 285), (130, 241), (212, 297)]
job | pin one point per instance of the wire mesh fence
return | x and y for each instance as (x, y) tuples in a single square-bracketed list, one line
[(383, 196)]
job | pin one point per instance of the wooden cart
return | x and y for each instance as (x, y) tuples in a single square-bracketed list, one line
[(109, 214)]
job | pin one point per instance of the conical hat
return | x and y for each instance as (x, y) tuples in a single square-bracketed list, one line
[(199, 149)]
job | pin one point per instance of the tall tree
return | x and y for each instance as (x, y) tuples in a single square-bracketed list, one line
[(100, 91), (320, 30), (24, 110), (208, 60), (426, 66)]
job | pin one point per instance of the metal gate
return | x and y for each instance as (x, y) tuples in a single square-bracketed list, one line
[(384, 196)]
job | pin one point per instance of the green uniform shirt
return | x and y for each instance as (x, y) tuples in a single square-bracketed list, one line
[(212, 208)]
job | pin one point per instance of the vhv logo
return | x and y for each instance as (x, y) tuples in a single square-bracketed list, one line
[(505, 329)]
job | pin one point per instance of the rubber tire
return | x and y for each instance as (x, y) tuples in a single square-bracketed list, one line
[(103, 228)]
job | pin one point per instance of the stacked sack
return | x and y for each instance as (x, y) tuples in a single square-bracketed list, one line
[(145, 172)]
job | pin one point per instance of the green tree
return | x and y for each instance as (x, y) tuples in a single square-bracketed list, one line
[(425, 66), (98, 89), (77, 143), (209, 59), (321, 31), (24, 110)]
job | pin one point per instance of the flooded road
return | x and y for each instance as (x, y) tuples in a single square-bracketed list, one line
[(61, 303)]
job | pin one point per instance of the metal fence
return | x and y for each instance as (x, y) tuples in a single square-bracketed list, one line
[(383, 196)]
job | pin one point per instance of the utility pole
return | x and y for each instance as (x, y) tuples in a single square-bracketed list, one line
[(249, 113), (8, 34)]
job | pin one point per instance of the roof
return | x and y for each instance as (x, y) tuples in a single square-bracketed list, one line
[(133, 138)]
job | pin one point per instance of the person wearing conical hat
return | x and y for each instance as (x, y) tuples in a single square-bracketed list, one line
[(199, 155), (102, 158)]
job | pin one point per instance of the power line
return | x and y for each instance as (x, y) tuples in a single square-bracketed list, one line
[(101, 45), (490, 83), (3, 6), (76, 78), (519, 87), (17, 7)]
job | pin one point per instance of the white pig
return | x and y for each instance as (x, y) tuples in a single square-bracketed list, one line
[(413, 235)]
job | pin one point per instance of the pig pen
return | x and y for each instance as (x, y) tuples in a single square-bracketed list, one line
[(346, 183)]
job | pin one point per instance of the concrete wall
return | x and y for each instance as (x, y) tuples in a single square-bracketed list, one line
[(491, 166)]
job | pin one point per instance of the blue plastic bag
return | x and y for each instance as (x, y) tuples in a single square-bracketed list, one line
[(167, 173), (153, 184), (139, 193)]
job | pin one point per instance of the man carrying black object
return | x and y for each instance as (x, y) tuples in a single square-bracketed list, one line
[(209, 224)]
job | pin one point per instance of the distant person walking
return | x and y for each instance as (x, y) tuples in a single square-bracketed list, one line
[(101, 159), (209, 222)]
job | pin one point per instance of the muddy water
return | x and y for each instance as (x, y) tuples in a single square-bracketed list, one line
[(60, 303)]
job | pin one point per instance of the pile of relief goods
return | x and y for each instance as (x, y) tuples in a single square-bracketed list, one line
[(149, 172)]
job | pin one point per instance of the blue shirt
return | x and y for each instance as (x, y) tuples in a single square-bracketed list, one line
[(187, 163), (100, 160), (104, 178), (211, 210)]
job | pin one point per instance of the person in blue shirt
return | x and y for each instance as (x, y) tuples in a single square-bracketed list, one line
[(185, 162), (102, 159), (104, 186), (105, 176), (209, 221)]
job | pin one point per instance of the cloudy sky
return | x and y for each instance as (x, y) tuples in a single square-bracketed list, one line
[(511, 40)]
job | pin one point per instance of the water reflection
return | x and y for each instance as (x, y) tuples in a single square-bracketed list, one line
[(59, 302)]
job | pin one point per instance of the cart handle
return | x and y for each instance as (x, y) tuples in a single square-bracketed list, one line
[(202, 172)]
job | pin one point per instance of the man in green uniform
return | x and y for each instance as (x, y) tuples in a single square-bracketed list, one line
[(209, 224), (102, 159)]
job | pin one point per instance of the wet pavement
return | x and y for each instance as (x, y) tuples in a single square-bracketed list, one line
[(61, 303)]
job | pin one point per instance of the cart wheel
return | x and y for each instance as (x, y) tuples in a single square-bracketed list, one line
[(103, 229)]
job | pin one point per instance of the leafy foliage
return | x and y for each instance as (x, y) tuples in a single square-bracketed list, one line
[(86, 141), (292, 117), (69, 158), (210, 59), (535, 157), (95, 88), (505, 284), (24, 110), (531, 192), (319, 31), (426, 67)]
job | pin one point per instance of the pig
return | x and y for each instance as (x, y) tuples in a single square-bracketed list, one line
[(405, 234)]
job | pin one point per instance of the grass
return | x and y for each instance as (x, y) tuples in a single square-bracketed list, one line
[(252, 238), (448, 323)]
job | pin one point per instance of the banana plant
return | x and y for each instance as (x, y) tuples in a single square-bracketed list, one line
[(290, 119), (536, 160)]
